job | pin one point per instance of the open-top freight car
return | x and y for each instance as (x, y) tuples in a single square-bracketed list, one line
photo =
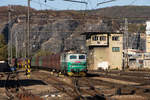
[(70, 64)]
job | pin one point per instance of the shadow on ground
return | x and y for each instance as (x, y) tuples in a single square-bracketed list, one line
[(92, 75), (26, 82), (96, 97)]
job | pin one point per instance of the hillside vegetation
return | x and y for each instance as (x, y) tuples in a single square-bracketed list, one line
[(3, 48), (123, 11), (109, 12)]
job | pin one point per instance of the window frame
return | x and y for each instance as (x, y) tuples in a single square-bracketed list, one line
[(94, 38), (102, 38), (115, 38), (72, 58), (115, 49), (82, 55)]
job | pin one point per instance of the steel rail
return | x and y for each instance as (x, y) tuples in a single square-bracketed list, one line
[(72, 86), (16, 91)]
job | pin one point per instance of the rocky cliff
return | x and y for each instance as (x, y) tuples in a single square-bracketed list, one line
[(55, 31)]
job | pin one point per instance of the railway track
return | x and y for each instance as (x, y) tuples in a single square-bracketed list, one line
[(85, 87), (140, 84), (110, 89), (124, 73), (127, 76), (15, 91), (88, 88), (58, 84), (72, 89)]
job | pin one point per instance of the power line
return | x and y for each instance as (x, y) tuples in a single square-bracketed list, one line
[(90, 3), (133, 2), (105, 2), (77, 1), (40, 3)]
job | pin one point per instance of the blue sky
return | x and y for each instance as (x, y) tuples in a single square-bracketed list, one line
[(64, 5)]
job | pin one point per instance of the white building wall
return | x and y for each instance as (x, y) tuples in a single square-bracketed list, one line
[(148, 27), (148, 36)]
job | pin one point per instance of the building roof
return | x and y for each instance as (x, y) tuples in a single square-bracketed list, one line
[(92, 33)]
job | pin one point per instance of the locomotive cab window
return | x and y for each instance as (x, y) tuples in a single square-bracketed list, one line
[(73, 57), (81, 56)]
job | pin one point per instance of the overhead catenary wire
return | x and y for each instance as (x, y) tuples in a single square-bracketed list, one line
[(90, 4), (110, 18), (76, 1), (105, 2), (133, 2), (44, 4), (114, 18), (40, 4)]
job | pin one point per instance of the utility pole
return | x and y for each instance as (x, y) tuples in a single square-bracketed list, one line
[(28, 30), (9, 35), (24, 54), (126, 43), (16, 45)]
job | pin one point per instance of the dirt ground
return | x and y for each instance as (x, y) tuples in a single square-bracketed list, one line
[(46, 91)]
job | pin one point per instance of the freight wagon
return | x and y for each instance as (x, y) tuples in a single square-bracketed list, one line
[(4, 67), (70, 64)]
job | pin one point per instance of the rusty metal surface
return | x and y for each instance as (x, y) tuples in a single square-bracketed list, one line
[(37, 61), (51, 61)]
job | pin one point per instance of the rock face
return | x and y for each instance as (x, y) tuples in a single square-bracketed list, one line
[(56, 31), (61, 31), (60, 35)]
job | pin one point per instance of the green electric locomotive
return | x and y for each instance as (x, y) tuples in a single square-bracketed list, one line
[(72, 64)]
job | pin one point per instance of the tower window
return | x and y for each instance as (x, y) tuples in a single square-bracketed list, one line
[(102, 38), (115, 49), (95, 38), (115, 38)]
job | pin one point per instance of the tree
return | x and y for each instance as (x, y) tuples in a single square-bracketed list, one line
[(2, 40), (3, 48), (136, 28)]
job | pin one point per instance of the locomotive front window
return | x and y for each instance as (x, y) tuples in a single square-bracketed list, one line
[(81, 57), (73, 57)]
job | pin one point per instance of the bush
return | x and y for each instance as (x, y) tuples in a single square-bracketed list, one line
[(3, 48)]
